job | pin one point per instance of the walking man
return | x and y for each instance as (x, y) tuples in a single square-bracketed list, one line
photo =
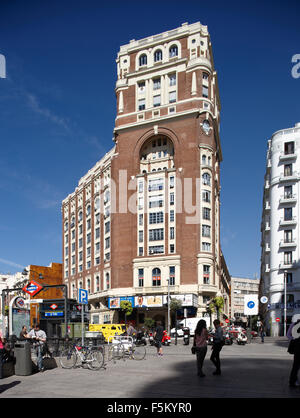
[(218, 343), (158, 335)]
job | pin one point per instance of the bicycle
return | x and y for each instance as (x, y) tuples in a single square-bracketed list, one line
[(131, 350), (115, 349), (90, 356)]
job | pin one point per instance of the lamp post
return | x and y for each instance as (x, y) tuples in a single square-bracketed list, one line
[(284, 325), (168, 280)]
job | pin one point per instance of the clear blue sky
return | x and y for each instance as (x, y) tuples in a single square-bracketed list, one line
[(57, 108)]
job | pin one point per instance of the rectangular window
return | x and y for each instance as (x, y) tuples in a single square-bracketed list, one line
[(172, 232), (288, 257), (141, 219), (171, 215), (80, 243), (156, 249), (97, 233), (288, 170), (288, 236), (156, 201), (156, 217), (141, 87), (156, 84), (206, 213), (141, 277), (204, 91), (80, 256), (142, 104), (172, 180), (107, 243), (156, 184), (206, 274), (172, 96), (156, 234), (97, 248), (141, 251), (107, 227), (141, 187), (141, 236), (172, 248), (289, 148), (288, 214), (172, 198), (206, 246), (206, 196), (288, 192), (206, 231), (172, 275), (172, 80), (156, 100)]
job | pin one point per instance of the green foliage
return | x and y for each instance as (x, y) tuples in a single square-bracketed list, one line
[(175, 304), (126, 306), (149, 323), (216, 305)]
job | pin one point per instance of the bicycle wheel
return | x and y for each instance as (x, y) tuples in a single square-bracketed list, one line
[(138, 352), (67, 359), (116, 352), (95, 360)]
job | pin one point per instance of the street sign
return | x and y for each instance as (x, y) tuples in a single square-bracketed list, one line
[(53, 306), (83, 296), (264, 299), (277, 319), (32, 288), (250, 305)]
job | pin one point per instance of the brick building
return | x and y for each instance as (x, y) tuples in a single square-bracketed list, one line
[(146, 218)]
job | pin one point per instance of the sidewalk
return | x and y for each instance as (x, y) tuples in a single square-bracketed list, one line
[(250, 371)]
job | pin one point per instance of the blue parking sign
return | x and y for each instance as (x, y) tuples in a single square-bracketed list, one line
[(83, 296)]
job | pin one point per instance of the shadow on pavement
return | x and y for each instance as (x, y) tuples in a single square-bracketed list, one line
[(247, 377), (5, 387)]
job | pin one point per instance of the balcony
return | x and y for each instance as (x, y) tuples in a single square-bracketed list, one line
[(292, 177), (207, 288), (267, 268), (287, 244), (288, 264), (149, 290), (267, 206), (284, 157), (288, 198), (267, 226), (288, 222)]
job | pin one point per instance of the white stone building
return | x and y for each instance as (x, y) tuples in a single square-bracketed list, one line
[(280, 230)]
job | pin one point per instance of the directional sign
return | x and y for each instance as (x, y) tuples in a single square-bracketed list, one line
[(32, 288), (250, 305), (83, 296)]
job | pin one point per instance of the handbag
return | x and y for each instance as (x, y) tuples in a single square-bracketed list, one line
[(294, 345), (193, 349)]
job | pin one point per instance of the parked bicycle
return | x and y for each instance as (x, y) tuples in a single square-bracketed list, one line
[(124, 346), (90, 356)]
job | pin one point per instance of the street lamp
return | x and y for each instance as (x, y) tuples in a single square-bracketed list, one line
[(284, 325), (168, 280)]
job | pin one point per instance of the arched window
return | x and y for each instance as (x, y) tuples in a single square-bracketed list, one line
[(80, 216), (156, 277), (173, 51), (97, 204), (204, 159), (158, 55), (143, 60), (206, 179), (88, 210)]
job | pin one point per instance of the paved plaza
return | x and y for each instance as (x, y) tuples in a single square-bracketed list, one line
[(255, 370)]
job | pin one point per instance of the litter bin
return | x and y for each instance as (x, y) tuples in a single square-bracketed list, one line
[(186, 335), (22, 353)]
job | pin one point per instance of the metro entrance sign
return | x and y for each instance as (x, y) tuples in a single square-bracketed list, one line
[(32, 288)]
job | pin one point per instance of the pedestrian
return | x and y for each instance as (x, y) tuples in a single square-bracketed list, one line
[(131, 330), (293, 382), (218, 342), (23, 333), (200, 344), (158, 335), (39, 336), (262, 332), (2, 351)]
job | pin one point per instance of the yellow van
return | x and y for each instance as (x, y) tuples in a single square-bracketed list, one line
[(108, 330)]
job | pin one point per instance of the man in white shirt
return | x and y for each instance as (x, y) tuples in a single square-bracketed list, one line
[(39, 336)]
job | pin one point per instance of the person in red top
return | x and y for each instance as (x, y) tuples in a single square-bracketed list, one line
[(200, 342), (1, 354)]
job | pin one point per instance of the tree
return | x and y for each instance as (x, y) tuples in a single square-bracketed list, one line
[(175, 305), (216, 305), (126, 307), (149, 323)]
